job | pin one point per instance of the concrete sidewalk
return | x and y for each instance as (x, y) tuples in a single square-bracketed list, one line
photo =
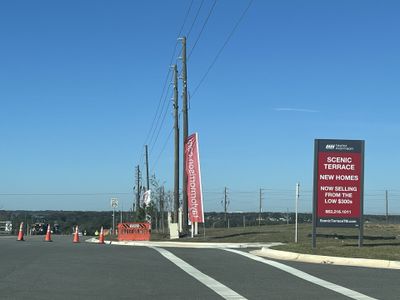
[(170, 244), (265, 251), (333, 260)]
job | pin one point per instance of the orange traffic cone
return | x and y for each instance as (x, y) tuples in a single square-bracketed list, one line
[(21, 232), (76, 235), (48, 234), (101, 236)]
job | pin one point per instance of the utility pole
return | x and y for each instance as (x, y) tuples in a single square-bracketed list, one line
[(185, 135), (176, 159), (162, 208), (297, 204), (157, 207), (260, 208), (147, 167), (226, 206), (387, 206), (121, 212), (137, 190), (287, 216)]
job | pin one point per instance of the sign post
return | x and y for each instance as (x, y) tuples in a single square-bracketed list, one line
[(296, 232), (114, 205), (338, 192)]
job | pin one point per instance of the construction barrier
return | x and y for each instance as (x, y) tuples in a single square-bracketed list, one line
[(134, 231)]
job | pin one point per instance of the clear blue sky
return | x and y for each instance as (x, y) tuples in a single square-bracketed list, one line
[(80, 82)]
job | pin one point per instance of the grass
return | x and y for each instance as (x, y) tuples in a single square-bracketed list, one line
[(380, 241)]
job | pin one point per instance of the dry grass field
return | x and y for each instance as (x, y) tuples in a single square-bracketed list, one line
[(381, 241)]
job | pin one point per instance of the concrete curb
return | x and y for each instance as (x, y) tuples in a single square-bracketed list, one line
[(187, 244), (96, 241), (319, 259)]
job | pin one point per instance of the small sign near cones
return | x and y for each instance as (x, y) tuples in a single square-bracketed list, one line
[(114, 202)]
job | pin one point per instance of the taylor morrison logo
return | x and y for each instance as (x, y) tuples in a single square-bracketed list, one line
[(330, 146)]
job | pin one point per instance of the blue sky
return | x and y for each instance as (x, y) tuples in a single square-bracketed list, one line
[(80, 83)]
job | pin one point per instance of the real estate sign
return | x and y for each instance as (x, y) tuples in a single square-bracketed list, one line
[(338, 183)]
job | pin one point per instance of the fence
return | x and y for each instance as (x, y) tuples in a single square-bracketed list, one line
[(376, 202)]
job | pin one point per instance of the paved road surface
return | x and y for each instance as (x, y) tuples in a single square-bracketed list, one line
[(35, 269)]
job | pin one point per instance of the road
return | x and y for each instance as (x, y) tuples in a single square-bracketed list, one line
[(34, 269)]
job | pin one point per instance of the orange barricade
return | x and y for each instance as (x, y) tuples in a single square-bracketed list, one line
[(134, 231)]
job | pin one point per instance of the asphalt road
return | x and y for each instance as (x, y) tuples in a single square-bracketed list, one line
[(34, 269)]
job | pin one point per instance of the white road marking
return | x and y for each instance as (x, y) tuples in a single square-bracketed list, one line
[(211, 283), (305, 276)]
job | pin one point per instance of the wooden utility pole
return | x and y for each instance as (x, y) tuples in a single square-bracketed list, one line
[(162, 208), (147, 167), (260, 208), (137, 189), (387, 206), (184, 136), (176, 159), (226, 206), (296, 232)]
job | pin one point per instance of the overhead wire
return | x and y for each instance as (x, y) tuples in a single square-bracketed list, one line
[(222, 48), (154, 136), (158, 126), (160, 114), (159, 130), (166, 78), (162, 150), (202, 29), (195, 19), (64, 194)]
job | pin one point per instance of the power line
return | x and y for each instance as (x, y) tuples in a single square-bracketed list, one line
[(162, 150), (65, 194), (202, 29), (151, 141), (166, 78), (222, 48), (151, 132), (195, 18), (184, 21), (161, 126), (156, 126)]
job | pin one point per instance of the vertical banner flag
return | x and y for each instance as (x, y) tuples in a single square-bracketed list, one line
[(194, 190)]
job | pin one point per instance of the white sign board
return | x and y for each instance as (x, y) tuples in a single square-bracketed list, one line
[(114, 202)]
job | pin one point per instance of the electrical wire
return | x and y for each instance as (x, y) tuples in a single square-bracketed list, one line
[(166, 78), (162, 150), (195, 18), (161, 126), (186, 16), (202, 29), (152, 141), (222, 48), (64, 194)]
